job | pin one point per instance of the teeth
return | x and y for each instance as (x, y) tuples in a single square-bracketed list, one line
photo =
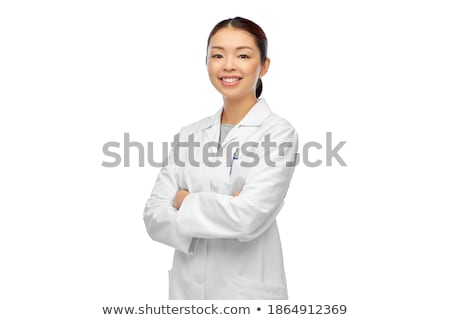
[(229, 80)]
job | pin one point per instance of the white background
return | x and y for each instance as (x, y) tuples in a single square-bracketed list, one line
[(76, 74)]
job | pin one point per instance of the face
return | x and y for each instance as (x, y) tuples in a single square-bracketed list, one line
[(234, 63)]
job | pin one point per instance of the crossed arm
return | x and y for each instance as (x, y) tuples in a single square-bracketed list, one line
[(179, 197), (176, 216)]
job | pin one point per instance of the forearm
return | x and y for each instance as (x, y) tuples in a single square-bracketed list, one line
[(160, 221), (213, 216)]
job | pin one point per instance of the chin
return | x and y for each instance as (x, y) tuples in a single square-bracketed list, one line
[(232, 96)]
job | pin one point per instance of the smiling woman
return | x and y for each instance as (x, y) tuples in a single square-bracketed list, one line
[(237, 59), (221, 218)]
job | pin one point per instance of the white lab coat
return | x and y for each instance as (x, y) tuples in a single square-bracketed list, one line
[(226, 247)]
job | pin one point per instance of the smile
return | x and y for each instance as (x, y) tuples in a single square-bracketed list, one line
[(230, 81)]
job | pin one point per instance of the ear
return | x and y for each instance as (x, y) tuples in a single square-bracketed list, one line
[(265, 68)]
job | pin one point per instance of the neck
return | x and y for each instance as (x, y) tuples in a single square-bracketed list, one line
[(235, 110)]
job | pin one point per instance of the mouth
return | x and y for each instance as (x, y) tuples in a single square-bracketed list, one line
[(230, 80)]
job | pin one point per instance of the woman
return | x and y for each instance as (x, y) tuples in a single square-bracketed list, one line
[(216, 203)]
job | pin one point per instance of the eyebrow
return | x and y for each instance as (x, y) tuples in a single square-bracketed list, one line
[(238, 48)]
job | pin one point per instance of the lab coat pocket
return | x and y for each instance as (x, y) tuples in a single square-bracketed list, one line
[(236, 178), (248, 159), (248, 289)]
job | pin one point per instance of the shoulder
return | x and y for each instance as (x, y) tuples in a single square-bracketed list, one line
[(197, 126), (271, 120), (279, 126), (276, 119)]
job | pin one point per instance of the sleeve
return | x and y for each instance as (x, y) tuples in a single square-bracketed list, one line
[(159, 214), (212, 215)]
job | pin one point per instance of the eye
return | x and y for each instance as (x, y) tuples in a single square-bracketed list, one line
[(243, 56), (217, 56)]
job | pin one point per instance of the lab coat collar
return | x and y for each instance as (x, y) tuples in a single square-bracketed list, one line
[(254, 117)]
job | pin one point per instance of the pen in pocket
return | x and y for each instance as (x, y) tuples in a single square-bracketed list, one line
[(235, 157)]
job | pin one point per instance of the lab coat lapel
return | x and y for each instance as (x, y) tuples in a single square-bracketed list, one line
[(251, 121), (254, 117), (211, 128)]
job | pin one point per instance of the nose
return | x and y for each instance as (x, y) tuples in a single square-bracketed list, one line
[(229, 64)]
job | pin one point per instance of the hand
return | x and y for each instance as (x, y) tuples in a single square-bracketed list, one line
[(179, 198), (236, 193)]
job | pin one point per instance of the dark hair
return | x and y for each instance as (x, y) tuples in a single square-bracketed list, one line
[(252, 28)]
